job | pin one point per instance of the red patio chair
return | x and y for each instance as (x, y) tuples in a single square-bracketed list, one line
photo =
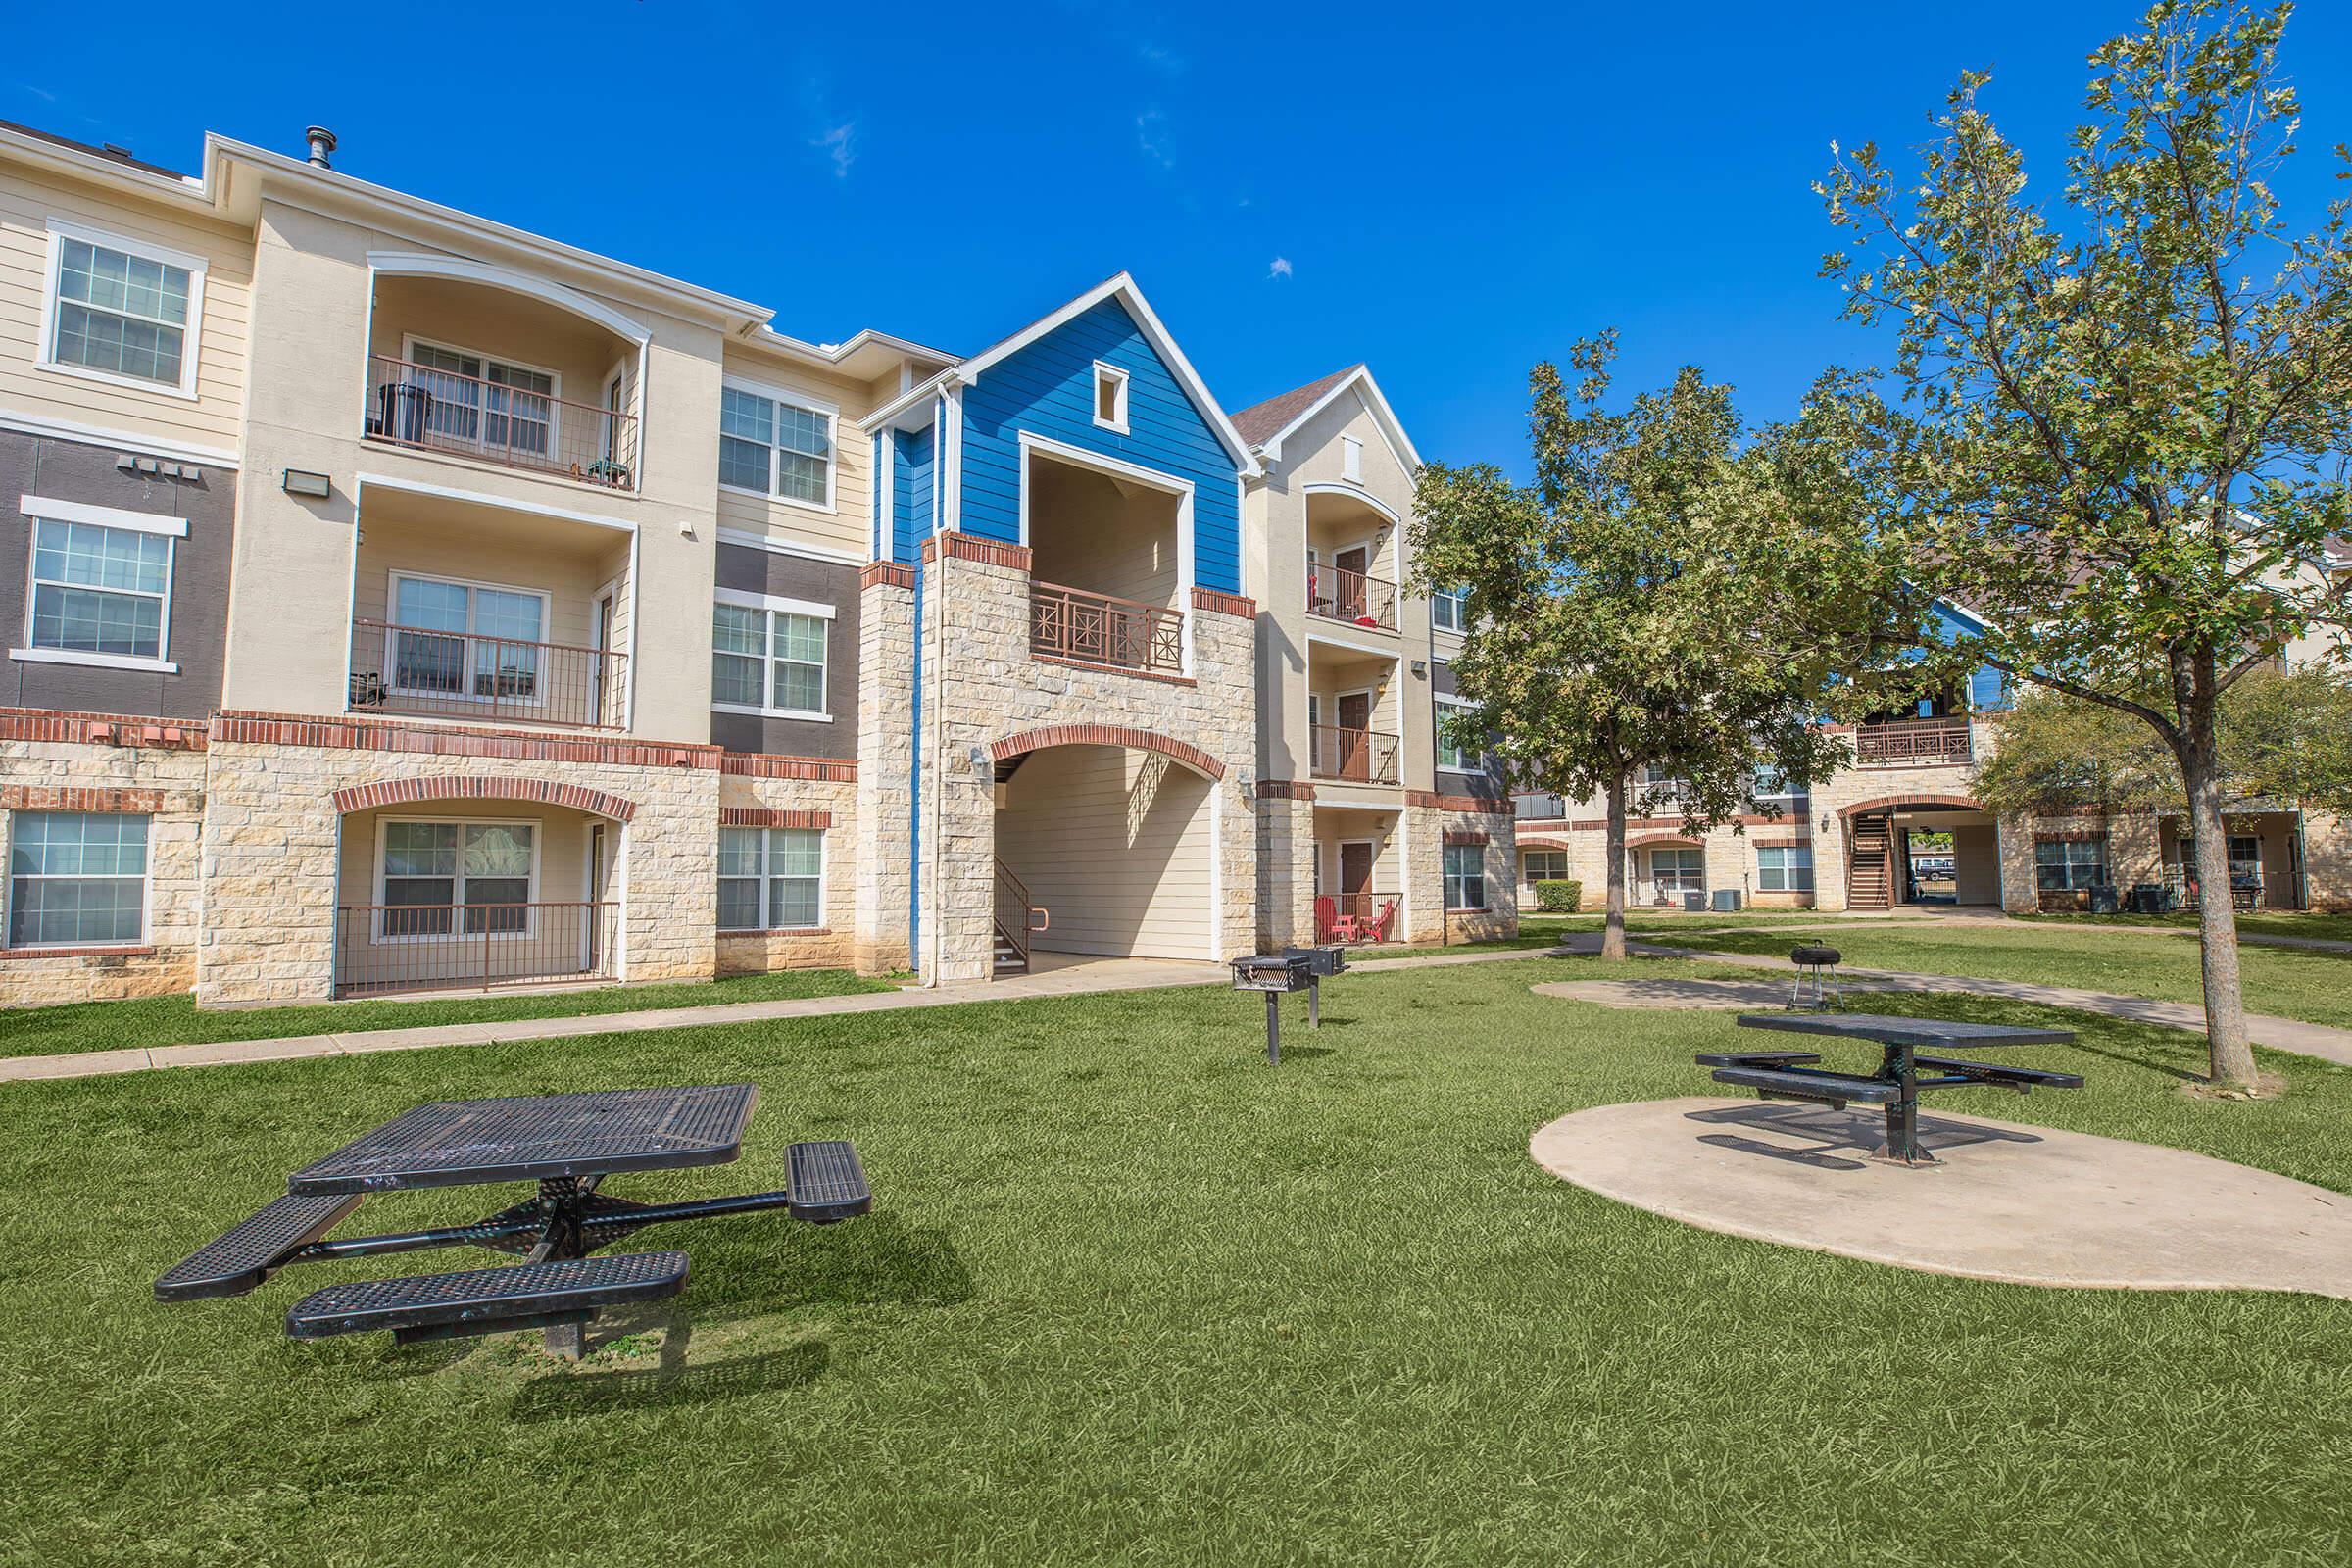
[(1377, 929)]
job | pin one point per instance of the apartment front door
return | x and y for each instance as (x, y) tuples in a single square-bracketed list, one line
[(1355, 878), (1356, 717), (1348, 590)]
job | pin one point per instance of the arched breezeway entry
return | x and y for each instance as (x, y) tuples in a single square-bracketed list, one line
[(1922, 850), (1106, 845)]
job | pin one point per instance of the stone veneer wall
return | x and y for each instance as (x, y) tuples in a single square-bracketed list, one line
[(272, 835), (55, 762), (2327, 861), (881, 856), (827, 805), (987, 688), (1286, 865), (1430, 820)]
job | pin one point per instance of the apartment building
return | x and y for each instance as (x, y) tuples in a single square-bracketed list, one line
[(1901, 826), (410, 602), (1367, 816)]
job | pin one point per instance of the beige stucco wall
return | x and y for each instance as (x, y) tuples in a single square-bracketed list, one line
[(1088, 532)]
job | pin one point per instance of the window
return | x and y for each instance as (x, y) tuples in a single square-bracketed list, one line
[(1789, 869), (2245, 859), (481, 402), (1452, 757), (443, 876), (101, 585), (467, 639), (1351, 460), (1771, 786), (1449, 609), (1679, 871), (1465, 876), (122, 310), (77, 879), (767, 655), (1111, 397), (774, 447), (2063, 866), (1544, 865), (771, 878)]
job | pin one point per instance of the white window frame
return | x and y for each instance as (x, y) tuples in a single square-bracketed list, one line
[(1459, 599), (1119, 378), (392, 581), (771, 605), (410, 343), (45, 351), (8, 889), (1468, 763), (805, 403), (39, 510), (1447, 878), (824, 866), (1351, 460), (1527, 875), (2100, 873), (1785, 869), (531, 922), (1680, 869)]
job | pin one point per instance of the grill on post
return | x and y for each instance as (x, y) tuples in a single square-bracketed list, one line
[(1276, 975)]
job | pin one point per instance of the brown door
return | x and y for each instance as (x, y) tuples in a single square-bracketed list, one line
[(1356, 717), (1355, 880), (1348, 568)]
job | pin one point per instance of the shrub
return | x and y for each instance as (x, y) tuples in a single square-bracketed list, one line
[(1559, 898)]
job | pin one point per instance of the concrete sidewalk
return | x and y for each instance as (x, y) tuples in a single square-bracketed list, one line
[(1067, 977)]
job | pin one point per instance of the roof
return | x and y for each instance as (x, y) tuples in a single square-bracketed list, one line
[(1261, 423), (119, 155)]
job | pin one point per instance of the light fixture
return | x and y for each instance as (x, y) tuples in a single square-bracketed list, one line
[(308, 485), (1421, 667)]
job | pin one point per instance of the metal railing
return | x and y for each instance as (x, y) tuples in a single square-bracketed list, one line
[(1356, 755), (1017, 915), (1100, 629), (1913, 743), (382, 947), (1364, 911), (416, 405), (416, 669), (1338, 594)]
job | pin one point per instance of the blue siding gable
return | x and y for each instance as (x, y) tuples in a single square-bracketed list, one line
[(1048, 388), (910, 493), (1987, 689)]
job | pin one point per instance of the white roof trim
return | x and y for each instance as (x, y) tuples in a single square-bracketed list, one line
[(1123, 289), (911, 401), (836, 352), (1391, 429)]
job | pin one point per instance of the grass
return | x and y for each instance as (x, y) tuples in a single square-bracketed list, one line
[(2267, 923), (1129, 1296), (174, 1020), (2289, 982)]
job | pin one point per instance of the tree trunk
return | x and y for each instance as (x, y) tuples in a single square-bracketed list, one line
[(1612, 930), (2231, 1058)]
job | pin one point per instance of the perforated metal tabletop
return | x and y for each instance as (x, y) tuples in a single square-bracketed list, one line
[(1887, 1029), (539, 1137)]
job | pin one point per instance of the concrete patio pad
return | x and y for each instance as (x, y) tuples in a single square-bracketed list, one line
[(2025, 1206)]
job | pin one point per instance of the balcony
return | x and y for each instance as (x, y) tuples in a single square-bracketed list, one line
[(1352, 756), (454, 674), (1102, 631), (498, 421), (386, 949), (1914, 743), (1334, 593)]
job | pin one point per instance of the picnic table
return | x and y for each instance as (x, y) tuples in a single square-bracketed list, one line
[(1897, 1085), (567, 1143)]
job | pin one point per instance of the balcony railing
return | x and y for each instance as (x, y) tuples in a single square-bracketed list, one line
[(1356, 916), (1336, 593), (438, 947), (1913, 743), (1356, 755), (1083, 628), (413, 405), (417, 670)]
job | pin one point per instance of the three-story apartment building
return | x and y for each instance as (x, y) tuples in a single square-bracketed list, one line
[(407, 601)]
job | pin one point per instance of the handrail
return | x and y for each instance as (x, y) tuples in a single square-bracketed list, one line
[(415, 405), (1353, 755), (1335, 592), (1018, 931), (409, 947), (1914, 740), (1085, 627), (424, 669)]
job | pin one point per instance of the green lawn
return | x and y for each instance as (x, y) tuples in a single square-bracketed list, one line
[(1131, 1296), (2291, 982), (2268, 923), (175, 1021)]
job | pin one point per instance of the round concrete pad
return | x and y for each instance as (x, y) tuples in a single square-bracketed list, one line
[(1674, 993), (2030, 1205)]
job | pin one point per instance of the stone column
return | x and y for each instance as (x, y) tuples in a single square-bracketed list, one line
[(885, 760), (268, 861), (1286, 865)]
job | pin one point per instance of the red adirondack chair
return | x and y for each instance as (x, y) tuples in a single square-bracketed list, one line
[(1376, 929)]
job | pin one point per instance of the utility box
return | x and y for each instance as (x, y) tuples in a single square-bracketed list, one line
[(1727, 901)]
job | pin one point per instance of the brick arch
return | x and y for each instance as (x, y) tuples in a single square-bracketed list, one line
[(1885, 803), (1141, 740), (1546, 842), (1679, 841), (407, 791)]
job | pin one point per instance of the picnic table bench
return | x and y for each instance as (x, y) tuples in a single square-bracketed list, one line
[(568, 1145), (1897, 1085)]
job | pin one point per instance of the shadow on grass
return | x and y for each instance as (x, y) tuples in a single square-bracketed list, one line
[(675, 1384), (877, 1260)]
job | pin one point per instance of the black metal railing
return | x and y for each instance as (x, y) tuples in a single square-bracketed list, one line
[(1338, 594), (416, 669), (385, 948), (416, 405), (1354, 756)]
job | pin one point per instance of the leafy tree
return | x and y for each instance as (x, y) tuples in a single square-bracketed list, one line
[(1659, 597), (2127, 404)]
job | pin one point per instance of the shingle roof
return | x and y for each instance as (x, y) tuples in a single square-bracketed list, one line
[(1261, 423), (121, 154)]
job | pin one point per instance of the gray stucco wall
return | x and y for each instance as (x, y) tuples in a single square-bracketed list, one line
[(68, 470), (763, 572)]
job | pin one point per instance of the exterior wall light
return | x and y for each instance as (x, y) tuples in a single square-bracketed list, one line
[(309, 486)]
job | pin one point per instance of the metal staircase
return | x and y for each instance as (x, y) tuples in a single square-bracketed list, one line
[(1018, 919)]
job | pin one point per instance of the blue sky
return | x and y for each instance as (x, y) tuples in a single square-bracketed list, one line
[(1296, 186)]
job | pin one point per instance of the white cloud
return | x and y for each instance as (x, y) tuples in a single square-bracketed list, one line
[(1163, 59), (1280, 268), (1151, 135), (841, 145)]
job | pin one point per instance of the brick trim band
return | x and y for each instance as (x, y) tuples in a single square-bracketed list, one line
[(1679, 840), (1463, 841), (138, 951), (1141, 740), (99, 729), (1915, 798), (1224, 603), (897, 573), (1527, 843), (1283, 788), (407, 791), (2077, 836), (391, 735), (971, 547), (775, 765), (765, 816), (69, 798), (1467, 805)]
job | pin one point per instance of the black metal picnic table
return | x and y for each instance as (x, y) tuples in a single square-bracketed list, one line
[(1787, 1075), (568, 1145)]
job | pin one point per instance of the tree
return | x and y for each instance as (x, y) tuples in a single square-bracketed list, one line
[(2126, 408), (1659, 597)]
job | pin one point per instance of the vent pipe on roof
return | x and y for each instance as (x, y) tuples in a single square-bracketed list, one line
[(323, 144)]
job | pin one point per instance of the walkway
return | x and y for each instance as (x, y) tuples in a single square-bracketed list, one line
[(1056, 975)]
